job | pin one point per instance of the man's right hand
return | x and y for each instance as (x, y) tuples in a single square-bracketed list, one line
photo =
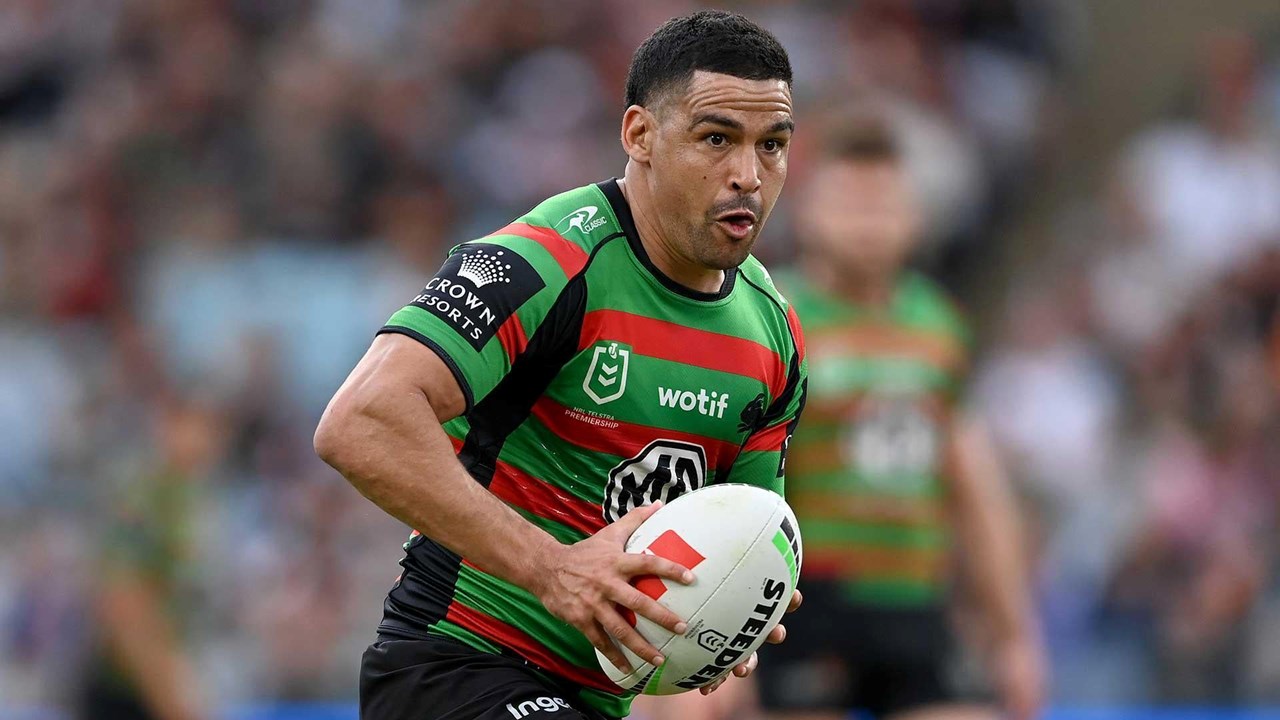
[(585, 583)]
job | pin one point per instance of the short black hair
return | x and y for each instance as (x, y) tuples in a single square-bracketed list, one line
[(711, 40)]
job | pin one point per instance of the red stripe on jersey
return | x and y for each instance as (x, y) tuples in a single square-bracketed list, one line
[(797, 332), (527, 492), (622, 438), (528, 648), (683, 344), (456, 443), (570, 256), (768, 440), (512, 337)]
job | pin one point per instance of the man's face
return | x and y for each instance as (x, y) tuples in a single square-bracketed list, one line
[(859, 216), (718, 162)]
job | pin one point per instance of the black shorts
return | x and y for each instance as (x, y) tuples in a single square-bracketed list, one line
[(839, 656), (442, 679)]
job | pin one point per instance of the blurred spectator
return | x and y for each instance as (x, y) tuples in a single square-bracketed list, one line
[(1136, 389), (1208, 186)]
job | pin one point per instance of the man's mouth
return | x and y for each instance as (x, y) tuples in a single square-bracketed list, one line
[(738, 224)]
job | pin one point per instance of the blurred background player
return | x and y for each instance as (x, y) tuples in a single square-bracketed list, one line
[(887, 474), (140, 665)]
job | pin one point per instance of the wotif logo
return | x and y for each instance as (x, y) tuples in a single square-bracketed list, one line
[(712, 405), (542, 704), (584, 219)]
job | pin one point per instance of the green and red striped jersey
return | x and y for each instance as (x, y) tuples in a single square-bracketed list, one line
[(594, 384), (866, 470)]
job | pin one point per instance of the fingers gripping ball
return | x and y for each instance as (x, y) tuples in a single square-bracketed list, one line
[(743, 545)]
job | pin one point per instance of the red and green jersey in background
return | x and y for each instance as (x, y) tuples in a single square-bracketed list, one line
[(865, 471), (594, 384)]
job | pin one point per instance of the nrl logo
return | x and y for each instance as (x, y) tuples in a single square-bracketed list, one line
[(607, 376)]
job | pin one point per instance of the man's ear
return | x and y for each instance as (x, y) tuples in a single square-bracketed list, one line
[(639, 129)]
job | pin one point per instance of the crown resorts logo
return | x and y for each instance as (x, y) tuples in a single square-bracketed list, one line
[(483, 269)]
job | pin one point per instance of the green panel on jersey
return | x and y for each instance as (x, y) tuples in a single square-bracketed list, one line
[(759, 468), (457, 428), (630, 287)]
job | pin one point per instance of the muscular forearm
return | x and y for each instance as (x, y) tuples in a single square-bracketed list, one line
[(389, 444)]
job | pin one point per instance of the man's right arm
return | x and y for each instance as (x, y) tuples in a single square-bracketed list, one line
[(382, 431)]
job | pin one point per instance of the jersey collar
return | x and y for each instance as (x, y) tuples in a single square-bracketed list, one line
[(622, 210)]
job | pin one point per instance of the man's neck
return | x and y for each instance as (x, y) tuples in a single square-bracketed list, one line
[(661, 251), (871, 290)]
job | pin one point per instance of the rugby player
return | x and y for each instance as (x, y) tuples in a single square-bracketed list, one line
[(558, 379)]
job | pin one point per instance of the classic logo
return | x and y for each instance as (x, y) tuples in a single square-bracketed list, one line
[(583, 219), (664, 470), (606, 378)]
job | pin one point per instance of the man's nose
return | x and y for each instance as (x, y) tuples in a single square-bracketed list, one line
[(745, 173)]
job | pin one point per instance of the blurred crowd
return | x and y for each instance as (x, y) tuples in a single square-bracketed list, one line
[(207, 207), (1135, 382)]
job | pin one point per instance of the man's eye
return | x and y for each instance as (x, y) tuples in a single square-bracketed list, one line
[(772, 146), (717, 140)]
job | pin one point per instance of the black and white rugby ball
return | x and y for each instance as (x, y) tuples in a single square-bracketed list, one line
[(743, 545)]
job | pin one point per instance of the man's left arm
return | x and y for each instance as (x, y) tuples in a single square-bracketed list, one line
[(991, 538)]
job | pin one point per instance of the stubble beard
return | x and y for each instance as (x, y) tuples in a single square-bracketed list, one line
[(711, 250)]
